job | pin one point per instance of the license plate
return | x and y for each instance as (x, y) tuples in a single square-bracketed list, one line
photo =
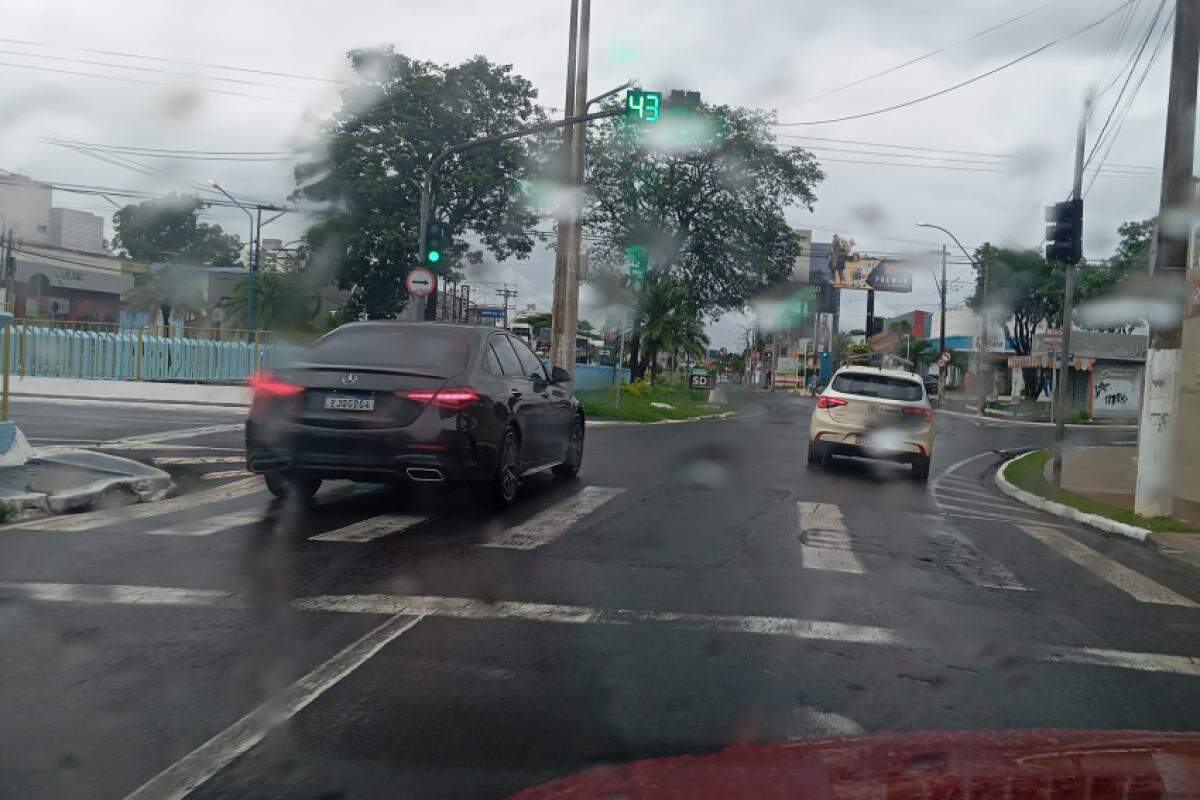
[(350, 403), (875, 408)]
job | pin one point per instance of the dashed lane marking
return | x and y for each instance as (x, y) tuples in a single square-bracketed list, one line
[(225, 473), (825, 544), (977, 492), (470, 608), (199, 460), (211, 525), (131, 442), (808, 723), (193, 770), (546, 526), (372, 528), (988, 505), (961, 507), (98, 519), (1134, 584)]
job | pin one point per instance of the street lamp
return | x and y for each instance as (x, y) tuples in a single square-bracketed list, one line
[(982, 267), (251, 254)]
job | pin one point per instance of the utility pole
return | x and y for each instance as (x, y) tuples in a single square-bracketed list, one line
[(982, 349), (942, 334), (506, 293), (1064, 385), (10, 275), (564, 228), (1157, 429), (565, 311)]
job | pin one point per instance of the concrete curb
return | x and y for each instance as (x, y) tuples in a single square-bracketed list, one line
[(1066, 512), (998, 421), (142, 482), (703, 418)]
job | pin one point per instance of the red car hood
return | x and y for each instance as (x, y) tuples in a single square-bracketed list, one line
[(945, 764)]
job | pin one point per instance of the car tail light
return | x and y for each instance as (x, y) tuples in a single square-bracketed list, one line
[(825, 401), (456, 399), (925, 413), (265, 384)]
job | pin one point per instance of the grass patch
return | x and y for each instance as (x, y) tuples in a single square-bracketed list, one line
[(1027, 473), (5, 511), (636, 399)]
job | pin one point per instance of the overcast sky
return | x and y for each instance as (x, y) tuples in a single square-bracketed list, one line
[(761, 53)]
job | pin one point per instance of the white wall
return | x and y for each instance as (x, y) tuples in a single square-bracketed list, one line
[(77, 230), (25, 208)]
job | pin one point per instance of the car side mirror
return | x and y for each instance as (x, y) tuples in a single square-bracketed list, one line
[(560, 375)]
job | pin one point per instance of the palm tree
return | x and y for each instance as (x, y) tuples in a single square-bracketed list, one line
[(282, 301), (172, 289), (667, 321)]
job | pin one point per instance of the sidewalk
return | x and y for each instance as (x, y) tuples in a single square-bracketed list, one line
[(1108, 474)]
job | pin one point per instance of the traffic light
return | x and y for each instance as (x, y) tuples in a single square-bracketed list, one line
[(437, 241), (680, 99), (1064, 234)]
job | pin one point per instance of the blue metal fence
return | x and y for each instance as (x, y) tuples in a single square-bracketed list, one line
[(133, 355)]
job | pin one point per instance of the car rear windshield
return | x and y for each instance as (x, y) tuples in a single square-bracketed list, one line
[(883, 386), (418, 346)]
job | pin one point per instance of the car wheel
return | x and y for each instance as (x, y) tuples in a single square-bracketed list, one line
[(570, 467), (501, 490), (291, 487), (815, 455), (920, 469)]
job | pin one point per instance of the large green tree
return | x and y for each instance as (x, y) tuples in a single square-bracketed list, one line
[(396, 116), (169, 229), (703, 196), (282, 301), (1024, 294)]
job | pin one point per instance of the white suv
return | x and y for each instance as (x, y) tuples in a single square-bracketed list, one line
[(873, 413)]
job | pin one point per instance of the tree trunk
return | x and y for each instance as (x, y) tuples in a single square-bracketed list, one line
[(652, 358), (636, 369), (165, 308), (1032, 377)]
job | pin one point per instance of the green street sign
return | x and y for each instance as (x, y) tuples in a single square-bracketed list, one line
[(644, 106)]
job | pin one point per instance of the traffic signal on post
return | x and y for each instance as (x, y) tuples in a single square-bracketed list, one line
[(1064, 233), (680, 100), (437, 241)]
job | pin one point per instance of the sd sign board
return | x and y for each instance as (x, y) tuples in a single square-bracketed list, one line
[(701, 379), (421, 282)]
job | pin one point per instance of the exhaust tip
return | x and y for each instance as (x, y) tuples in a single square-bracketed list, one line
[(424, 474)]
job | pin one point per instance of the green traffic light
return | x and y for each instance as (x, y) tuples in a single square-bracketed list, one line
[(433, 256)]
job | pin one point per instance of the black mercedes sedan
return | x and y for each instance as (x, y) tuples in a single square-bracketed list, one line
[(413, 402)]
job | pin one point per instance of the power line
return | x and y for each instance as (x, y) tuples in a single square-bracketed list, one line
[(912, 61), (960, 84), (149, 69), (1132, 68), (1112, 140), (175, 61), (897, 146), (138, 80), (190, 151), (167, 155)]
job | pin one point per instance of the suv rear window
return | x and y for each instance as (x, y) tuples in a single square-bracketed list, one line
[(388, 346), (882, 386)]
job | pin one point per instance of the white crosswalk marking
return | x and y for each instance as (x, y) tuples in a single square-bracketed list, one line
[(971, 564), (1136, 585), (372, 528), (977, 492), (199, 460), (546, 526), (985, 505), (211, 525), (98, 519), (825, 542)]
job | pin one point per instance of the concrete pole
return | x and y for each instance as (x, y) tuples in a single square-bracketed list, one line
[(942, 335), (1157, 429), (562, 336)]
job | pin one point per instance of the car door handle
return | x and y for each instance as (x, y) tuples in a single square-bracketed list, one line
[(516, 392)]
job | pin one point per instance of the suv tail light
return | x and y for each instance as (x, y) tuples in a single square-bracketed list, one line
[(825, 401), (925, 413), (456, 399), (265, 384)]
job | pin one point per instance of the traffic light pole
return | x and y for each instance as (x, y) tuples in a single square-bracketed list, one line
[(484, 141), (1064, 385)]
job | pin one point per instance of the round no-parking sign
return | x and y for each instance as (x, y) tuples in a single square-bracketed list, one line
[(421, 282)]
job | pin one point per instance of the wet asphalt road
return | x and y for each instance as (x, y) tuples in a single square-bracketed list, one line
[(698, 586)]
